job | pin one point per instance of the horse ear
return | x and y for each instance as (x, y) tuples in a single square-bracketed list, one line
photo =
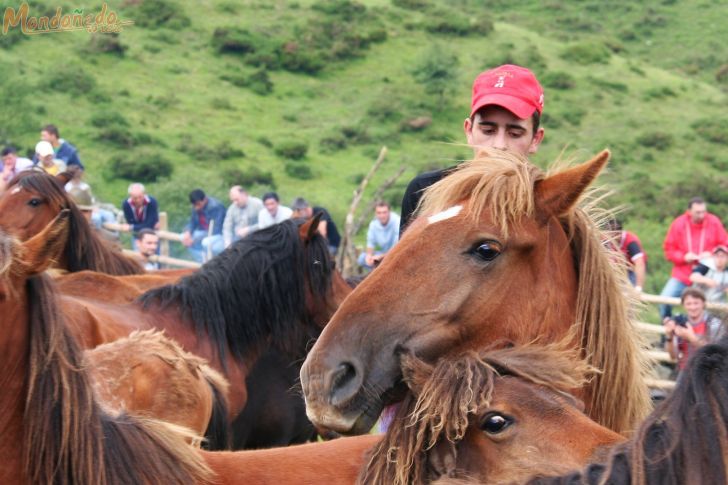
[(308, 229), (556, 195), (64, 177), (45, 247), (415, 372)]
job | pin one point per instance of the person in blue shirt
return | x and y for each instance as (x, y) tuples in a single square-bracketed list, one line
[(197, 236), (63, 149), (382, 235)]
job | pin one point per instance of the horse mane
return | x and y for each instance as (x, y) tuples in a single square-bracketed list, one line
[(254, 290), (68, 438), (451, 391), (503, 183), (84, 249), (684, 440)]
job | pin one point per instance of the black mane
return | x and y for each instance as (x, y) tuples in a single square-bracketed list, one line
[(254, 290), (682, 441)]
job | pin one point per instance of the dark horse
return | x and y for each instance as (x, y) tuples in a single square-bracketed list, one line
[(684, 440), (33, 199), (53, 430)]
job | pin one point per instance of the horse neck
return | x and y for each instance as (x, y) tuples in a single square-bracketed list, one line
[(14, 352)]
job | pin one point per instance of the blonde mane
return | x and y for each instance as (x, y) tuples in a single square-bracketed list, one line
[(454, 390), (503, 184)]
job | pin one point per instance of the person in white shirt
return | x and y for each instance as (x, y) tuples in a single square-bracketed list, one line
[(12, 166), (273, 212)]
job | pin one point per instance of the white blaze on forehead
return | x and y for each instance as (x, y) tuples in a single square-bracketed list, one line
[(446, 214), (16, 190)]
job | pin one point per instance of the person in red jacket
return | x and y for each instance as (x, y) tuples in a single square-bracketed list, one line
[(690, 238)]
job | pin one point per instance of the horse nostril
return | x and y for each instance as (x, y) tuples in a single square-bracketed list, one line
[(344, 383)]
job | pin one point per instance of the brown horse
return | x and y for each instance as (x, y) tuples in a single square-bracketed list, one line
[(499, 416), (276, 287), (500, 251), (33, 199), (150, 375), (53, 430)]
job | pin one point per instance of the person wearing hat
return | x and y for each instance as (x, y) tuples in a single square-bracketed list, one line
[(96, 217), (711, 275), (505, 113), (47, 159)]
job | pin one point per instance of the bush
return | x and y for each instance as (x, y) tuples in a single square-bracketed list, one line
[(70, 79), (301, 171), (660, 93), (206, 153), (574, 115), (657, 140), (105, 119), (259, 82), (587, 53), (158, 13), (106, 44), (221, 104), (714, 130), (448, 21), (140, 166), (234, 40), (292, 150), (437, 72), (248, 178), (411, 4), (333, 143), (558, 80), (346, 9)]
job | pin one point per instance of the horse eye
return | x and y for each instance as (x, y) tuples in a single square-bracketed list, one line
[(495, 423), (487, 251), (35, 202)]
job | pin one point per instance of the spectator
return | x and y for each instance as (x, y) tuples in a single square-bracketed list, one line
[(147, 243), (205, 211), (46, 158), (273, 212), (241, 218), (12, 166), (689, 239), (326, 227), (711, 275), (76, 181), (505, 113), (686, 333), (630, 246), (382, 235), (96, 217), (63, 150), (140, 210)]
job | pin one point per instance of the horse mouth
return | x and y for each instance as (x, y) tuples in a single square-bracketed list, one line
[(369, 415)]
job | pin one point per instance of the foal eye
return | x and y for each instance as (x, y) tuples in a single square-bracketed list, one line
[(495, 423), (35, 202), (487, 251)]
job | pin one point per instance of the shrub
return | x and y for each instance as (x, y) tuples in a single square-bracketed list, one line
[(265, 141), (13, 36), (609, 85), (158, 13), (714, 130), (248, 178), (346, 9), (301, 171), (356, 134), (437, 72), (234, 40), (411, 4), (106, 44), (558, 80), (656, 140), (145, 166), (221, 104), (70, 79), (587, 53), (333, 143), (574, 115), (259, 82), (660, 93), (104, 119), (292, 150), (448, 21)]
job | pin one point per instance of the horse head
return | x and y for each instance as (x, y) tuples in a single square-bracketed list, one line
[(487, 259)]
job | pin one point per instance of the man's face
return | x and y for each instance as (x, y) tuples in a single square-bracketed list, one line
[(697, 212), (304, 213), (496, 127), (9, 160), (694, 307), (137, 197), (271, 205), (148, 244), (721, 260), (382, 215), (49, 137), (200, 204), (47, 160)]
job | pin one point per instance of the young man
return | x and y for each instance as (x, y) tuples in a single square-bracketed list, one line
[(61, 148), (326, 227), (382, 235), (690, 238), (12, 166), (205, 211), (630, 246), (147, 243), (711, 275), (686, 333), (273, 212), (241, 218), (505, 114)]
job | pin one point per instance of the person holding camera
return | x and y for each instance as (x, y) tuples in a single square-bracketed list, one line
[(687, 332)]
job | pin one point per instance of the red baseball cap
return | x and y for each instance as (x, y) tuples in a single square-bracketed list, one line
[(515, 88)]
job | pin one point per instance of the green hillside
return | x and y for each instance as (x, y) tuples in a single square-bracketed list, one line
[(300, 95)]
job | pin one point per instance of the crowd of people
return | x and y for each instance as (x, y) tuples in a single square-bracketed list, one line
[(506, 108)]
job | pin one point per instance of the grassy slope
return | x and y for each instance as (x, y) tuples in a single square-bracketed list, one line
[(168, 85)]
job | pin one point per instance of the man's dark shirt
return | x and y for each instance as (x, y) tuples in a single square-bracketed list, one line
[(332, 232), (414, 191)]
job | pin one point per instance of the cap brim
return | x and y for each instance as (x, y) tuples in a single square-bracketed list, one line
[(85, 207), (515, 105)]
